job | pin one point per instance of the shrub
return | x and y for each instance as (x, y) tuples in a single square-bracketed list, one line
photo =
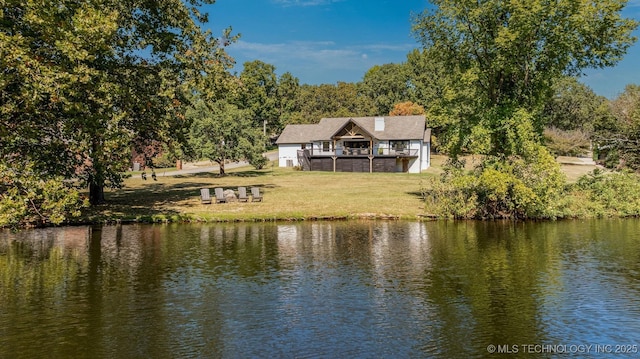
[(445, 199), (258, 161), (514, 187), (610, 194), (28, 199)]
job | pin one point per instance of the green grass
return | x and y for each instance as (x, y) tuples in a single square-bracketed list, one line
[(288, 195)]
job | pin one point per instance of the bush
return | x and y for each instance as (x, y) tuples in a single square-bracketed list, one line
[(609, 194), (514, 188), (28, 199), (258, 162), (446, 199)]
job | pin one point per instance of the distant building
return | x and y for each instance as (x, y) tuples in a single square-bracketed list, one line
[(358, 144)]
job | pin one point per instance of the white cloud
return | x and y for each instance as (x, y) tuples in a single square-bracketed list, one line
[(320, 61), (320, 51), (390, 47)]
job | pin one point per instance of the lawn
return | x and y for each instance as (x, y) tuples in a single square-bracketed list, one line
[(288, 195)]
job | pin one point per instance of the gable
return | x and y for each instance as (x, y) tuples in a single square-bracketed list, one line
[(351, 131)]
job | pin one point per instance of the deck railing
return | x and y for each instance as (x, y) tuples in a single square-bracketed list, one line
[(365, 152)]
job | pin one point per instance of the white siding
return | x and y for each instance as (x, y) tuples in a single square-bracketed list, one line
[(425, 156), (288, 152), (415, 164)]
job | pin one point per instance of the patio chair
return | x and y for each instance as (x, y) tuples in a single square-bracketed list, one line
[(255, 194), (242, 194), (220, 198), (205, 196)]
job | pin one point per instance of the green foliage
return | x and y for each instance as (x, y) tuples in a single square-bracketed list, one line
[(28, 198), (445, 98), (618, 137), (84, 82), (259, 92), (288, 90), (573, 106), (257, 160), (224, 133), (428, 81), (386, 86), (566, 142), (501, 56), (166, 160), (314, 102), (608, 194), (451, 197), (515, 188)]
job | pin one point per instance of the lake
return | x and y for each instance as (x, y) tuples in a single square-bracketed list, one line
[(356, 289)]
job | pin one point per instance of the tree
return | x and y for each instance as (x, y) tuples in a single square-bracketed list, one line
[(619, 137), (428, 80), (84, 82), (341, 100), (288, 91), (222, 133), (509, 53), (569, 117), (385, 86), (259, 92), (573, 106), (406, 109)]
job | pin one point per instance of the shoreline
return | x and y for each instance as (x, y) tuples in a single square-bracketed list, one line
[(289, 196)]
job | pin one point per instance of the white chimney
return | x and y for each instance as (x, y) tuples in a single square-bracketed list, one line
[(379, 126)]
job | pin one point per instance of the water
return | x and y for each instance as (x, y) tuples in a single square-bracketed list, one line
[(322, 290)]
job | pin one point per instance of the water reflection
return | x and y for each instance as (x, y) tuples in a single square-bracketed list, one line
[(319, 289)]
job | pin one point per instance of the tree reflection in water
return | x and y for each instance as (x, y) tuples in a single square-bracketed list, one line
[(370, 288)]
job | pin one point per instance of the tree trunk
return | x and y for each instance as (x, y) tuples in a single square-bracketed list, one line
[(96, 176), (221, 163), (96, 193)]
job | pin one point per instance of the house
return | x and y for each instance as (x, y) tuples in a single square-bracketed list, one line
[(358, 144)]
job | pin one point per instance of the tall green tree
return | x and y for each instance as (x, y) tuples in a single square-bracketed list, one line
[(259, 93), (288, 91), (508, 54), (385, 86), (221, 132), (327, 100), (85, 81), (573, 106)]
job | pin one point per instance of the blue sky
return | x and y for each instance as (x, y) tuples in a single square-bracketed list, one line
[(327, 41)]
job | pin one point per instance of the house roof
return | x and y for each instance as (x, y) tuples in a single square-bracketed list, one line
[(395, 128)]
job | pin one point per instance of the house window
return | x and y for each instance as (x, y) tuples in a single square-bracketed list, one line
[(326, 145), (399, 145)]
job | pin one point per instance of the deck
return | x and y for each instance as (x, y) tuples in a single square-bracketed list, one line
[(356, 160)]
